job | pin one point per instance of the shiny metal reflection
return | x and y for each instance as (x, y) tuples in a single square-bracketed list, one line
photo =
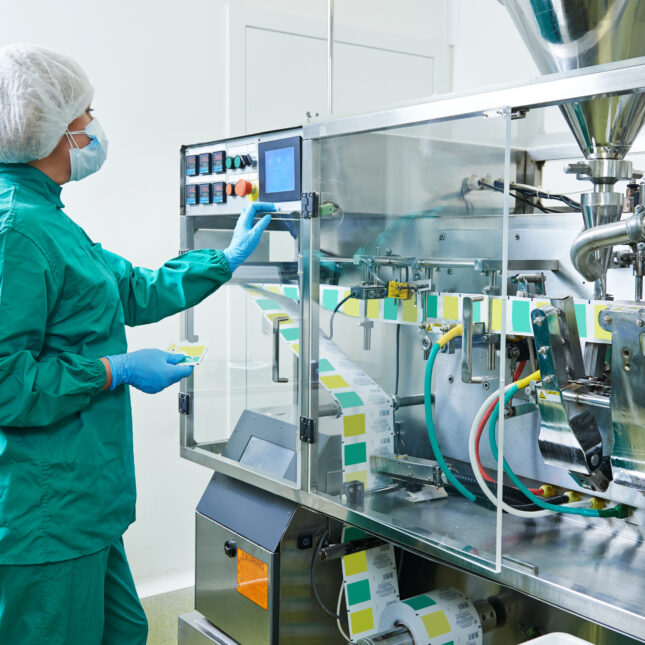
[(564, 35)]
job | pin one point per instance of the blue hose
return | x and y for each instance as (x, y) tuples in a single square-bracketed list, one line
[(617, 511), (427, 400)]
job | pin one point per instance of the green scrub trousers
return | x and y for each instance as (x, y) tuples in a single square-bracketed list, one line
[(85, 601)]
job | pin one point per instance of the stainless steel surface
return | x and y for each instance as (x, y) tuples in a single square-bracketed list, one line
[(487, 615), (563, 35), (569, 436), (216, 586), (624, 77), (404, 467), (467, 342), (627, 395), (586, 398), (276, 349), (330, 57), (594, 239), (194, 629)]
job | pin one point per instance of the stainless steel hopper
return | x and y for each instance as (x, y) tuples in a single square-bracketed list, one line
[(564, 35)]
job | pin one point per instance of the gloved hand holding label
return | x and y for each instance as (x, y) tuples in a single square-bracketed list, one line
[(149, 370), (245, 239)]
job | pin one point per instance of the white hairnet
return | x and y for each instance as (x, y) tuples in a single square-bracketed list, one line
[(41, 93)]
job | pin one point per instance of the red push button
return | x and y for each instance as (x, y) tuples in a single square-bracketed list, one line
[(230, 189), (243, 188)]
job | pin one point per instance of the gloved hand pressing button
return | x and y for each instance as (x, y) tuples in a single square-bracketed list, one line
[(149, 370), (245, 239)]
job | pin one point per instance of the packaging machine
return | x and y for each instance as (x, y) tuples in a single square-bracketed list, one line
[(436, 308)]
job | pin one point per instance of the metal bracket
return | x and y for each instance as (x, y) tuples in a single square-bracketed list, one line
[(309, 205), (184, 403), (469, 329), (307, 429)]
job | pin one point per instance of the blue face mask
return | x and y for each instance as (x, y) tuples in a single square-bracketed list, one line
[(86, 161)]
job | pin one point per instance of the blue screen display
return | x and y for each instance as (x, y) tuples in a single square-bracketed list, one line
[(279, 168)]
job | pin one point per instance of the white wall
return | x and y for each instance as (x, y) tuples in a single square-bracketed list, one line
[(159, 67)]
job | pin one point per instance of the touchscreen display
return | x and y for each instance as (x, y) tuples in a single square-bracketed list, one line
[(280, 170)]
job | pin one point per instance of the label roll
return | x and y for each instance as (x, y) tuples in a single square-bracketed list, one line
[(441, 617)]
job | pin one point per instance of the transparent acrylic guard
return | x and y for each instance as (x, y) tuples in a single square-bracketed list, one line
[(237, 374), (408, 209)]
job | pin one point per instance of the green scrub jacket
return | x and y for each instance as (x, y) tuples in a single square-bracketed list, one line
[(67, 484)]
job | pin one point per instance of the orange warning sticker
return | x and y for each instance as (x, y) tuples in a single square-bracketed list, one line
[(253, 578)]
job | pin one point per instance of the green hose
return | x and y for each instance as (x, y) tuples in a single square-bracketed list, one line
[(619, 510), (427, 400)]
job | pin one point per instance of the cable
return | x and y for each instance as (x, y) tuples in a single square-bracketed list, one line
[(518, 370), (340, 627), (398, 348), (519, 197), (427, 400), (617, 511), (331, 320), (329, 612), (478, 476)]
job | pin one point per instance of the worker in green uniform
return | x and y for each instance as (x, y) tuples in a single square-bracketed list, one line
[(67, 488)]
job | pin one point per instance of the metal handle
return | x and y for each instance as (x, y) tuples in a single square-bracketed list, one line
[(276, 349), (467, 342)]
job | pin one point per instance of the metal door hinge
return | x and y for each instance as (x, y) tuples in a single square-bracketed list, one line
[(309, 205), (306, 429), (184, 403)]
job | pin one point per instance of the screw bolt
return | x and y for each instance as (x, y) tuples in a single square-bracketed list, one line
[(640, 322), (442, 236), (517, 236), (595, 460), (486, 385), (609, 320), (451, 379), (538, 320), (543, 351)]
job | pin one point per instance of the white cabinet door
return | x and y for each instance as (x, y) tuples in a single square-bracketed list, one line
[(277, 68)]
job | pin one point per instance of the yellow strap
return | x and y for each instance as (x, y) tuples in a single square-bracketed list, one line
[(522, 383), (448, 336)]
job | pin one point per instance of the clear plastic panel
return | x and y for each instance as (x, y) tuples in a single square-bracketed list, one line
[(239, 383), (412, 221)]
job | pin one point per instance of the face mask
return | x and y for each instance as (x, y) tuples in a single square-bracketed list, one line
[(89, 159)]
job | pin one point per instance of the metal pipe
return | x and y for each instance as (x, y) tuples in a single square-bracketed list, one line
[(406, 401), (587, 398), (593, 239), (397, 635)]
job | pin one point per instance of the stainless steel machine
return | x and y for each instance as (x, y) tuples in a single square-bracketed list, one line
[(426, 317)]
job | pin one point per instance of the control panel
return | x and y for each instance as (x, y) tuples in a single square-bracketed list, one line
[(221, 177)]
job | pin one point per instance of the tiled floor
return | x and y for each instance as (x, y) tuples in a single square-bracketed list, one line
[(162, 612)]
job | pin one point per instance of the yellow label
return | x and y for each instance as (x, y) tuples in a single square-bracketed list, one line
[(358, 475), (352, 307), (436, 624), (599, 332), (496, 317), (253, 579), (334, 381), (372, 309), (362, 620), (409, 311), (353, 425), (451, 307), (355, 563)]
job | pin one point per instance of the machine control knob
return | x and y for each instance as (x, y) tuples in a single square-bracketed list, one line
[(230, 548), (243, 188)]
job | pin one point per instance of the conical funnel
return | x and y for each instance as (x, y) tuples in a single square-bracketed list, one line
[(564, 35)]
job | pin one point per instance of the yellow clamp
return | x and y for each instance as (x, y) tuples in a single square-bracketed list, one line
[(572, 496), (597, 503), (547, 490), (398, 290)]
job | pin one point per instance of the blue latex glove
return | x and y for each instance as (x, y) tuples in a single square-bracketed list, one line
[(245, 239), (149, 370)]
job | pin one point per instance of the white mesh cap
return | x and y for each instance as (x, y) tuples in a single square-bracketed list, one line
[(41, 93)]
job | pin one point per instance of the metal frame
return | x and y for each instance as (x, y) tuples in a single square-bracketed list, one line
[(624, 77), (616, 78)]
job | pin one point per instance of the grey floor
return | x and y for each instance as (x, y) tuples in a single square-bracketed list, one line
[(162, 612)]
